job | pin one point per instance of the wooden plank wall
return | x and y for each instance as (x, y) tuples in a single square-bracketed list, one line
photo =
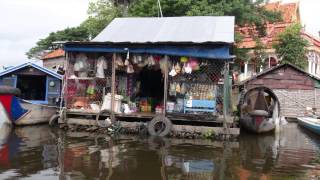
[(283, 78), (294, 89)]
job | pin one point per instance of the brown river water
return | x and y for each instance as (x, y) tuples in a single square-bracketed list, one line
[(44, 153)]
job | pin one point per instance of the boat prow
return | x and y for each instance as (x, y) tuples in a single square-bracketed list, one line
[(311, 123), (37, 113), (259, 110), (19, 112)]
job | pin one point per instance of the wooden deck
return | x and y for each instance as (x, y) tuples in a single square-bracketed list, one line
[(94, 113), (207, 118)]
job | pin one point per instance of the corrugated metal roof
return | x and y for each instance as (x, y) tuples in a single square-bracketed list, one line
[(192, 29), (43, 69), (278, 67)]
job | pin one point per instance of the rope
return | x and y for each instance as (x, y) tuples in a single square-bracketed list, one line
[(159, 4)]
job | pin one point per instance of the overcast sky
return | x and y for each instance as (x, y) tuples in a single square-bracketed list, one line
[(24, 22)]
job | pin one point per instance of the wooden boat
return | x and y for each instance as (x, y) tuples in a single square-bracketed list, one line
[(259, 110), (310, 122), (20, 112)]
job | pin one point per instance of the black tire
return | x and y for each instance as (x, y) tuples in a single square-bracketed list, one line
[(54, 119), (101, 113), (159, 126)]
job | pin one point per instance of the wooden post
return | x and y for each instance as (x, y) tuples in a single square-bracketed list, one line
[(165, 86), (245, 70), (113, 85), (315, 97), (64, 93), (226, 95)]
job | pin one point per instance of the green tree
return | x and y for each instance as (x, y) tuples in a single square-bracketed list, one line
[(246, 12), (259, 54), (291, 47), (69, 34), (102, 12)]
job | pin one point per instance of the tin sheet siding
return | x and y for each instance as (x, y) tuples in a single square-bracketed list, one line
[(191, 29)]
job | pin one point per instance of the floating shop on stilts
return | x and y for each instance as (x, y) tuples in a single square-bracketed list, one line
[(172, 73)]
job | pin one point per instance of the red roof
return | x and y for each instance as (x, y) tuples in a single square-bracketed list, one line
[(290, 15), (312, 40), (289, 11), (54, 54)]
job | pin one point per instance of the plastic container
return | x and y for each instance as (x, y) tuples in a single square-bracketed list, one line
[(170, 106), (107, 103), (179, 106)]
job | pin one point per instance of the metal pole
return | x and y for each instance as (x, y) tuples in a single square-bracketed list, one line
[(165, 86)]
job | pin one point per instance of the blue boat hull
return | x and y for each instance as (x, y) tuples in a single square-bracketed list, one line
[(310, 123)]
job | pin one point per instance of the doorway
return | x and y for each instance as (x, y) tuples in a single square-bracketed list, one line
[(32, 87)]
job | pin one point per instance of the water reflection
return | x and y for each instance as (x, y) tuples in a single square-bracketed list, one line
[(39, 151)]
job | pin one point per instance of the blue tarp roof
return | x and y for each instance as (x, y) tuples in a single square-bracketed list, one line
[(220, 52), (43, 69)]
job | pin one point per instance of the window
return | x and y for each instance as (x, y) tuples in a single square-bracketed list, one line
[(8, 81)]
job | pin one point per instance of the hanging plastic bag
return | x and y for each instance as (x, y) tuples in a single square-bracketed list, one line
[(81, 66), (101, 66), (126, 62), (150, 61), (178, 88), (130, 69), (183, 68), (91, 89), (183, 59), (135, 59), (119, 61), (173, 72), (177, 68), (183, 88), (172, 89), (188, 68)]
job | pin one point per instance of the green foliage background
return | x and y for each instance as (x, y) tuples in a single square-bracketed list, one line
[(102, 12), (291, 47)]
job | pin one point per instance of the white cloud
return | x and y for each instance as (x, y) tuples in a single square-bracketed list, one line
[(24, 22)]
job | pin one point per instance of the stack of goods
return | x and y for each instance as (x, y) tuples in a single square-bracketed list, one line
[(159, 109), (201, 92), (145, 105)]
